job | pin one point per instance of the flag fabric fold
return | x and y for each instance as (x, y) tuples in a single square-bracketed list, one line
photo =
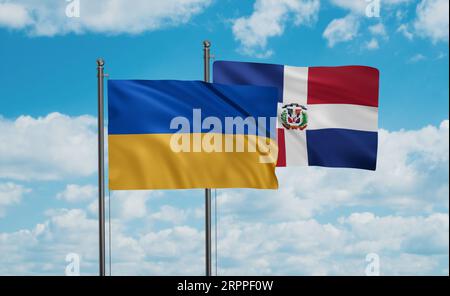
[(169, 134), (327, 116)]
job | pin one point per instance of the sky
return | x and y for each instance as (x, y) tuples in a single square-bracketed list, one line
[(320, 222)]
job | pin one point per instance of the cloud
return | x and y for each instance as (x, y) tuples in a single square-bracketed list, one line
[(357, 15), (432, 20), (372, 44), (269, 19), (43, 248), (320, 222), (172, 251), (417, 58), (341, 30), (130, 204), (312, 248), (13, 16), (10, 194), (170, 214), (48, 18), (65, 231), (413, 245), (48, 148), (405, 31), (358, 7), (378, 30), (394, 232), (77, 193)]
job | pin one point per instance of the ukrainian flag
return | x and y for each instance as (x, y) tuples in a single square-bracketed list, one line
[(167, 134)]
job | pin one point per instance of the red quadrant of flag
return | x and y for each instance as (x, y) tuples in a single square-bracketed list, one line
[(357, 85)]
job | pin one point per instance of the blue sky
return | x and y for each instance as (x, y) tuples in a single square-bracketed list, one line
[(48, 65)]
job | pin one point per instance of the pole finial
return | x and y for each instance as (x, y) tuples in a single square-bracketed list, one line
[(100, 62), (206, 44)]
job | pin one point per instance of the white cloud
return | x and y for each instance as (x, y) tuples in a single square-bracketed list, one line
[(341, 30), (130, 204), (66, 231), (404, 29), (47, 148), (432, 19), (269, 19), (380, 233), (42, 249), (372, 44), (378, 30), (258, 248), (358, 6), (417, 58), (77, 193), (311, 248), (312, 225), (397, 2), (13, 16), (48, 18), (165, 243), (10, 194), (170, 214)]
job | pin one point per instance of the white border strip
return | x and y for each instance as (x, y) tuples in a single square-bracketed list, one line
[(355, 117)]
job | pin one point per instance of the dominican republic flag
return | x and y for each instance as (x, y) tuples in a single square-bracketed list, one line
[(327, 116)]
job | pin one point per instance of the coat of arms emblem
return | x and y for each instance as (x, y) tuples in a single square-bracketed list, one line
[(294, 116)]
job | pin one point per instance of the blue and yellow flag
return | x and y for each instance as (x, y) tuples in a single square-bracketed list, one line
[(167, 134)]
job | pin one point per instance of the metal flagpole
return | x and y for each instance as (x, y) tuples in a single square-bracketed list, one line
[(101, 167), (208, 258)]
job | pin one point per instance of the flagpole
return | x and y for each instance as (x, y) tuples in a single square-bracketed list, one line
[(101, 167), (208, 261)]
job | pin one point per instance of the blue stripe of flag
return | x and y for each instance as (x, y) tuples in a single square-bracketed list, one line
[(342, 148), (250, 74), (148, 106)]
